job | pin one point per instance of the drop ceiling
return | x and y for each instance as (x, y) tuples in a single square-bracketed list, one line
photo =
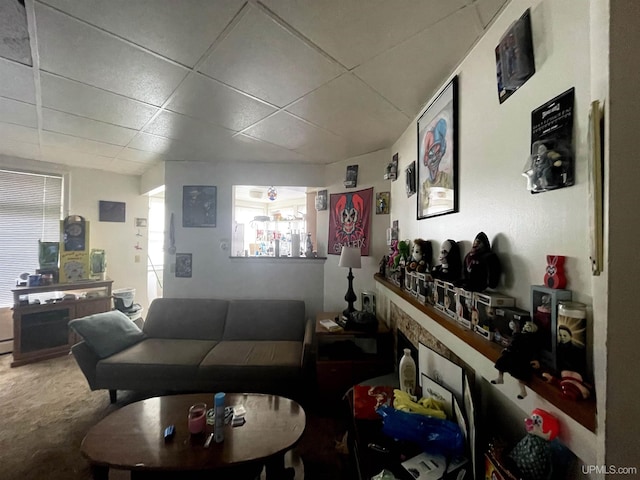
[(121, 85)]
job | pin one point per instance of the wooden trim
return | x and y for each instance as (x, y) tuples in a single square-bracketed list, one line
[(582, 411)]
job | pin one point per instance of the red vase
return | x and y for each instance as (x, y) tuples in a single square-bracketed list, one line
[(554, 276)]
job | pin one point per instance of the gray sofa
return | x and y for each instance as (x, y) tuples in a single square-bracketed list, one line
[(206, 345)]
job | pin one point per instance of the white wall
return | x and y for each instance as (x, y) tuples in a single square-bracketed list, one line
[(370, 174), (494, 143), (85, 188), (215, 274), (126, 265)]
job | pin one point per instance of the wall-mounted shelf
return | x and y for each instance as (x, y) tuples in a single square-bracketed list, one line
[(583, 412)]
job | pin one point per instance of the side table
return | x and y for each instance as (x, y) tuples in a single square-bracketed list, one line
[(346, 357)]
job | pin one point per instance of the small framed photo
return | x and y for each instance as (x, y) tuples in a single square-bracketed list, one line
[(321, 200), (351, 180), (382, 203), (368, 302), (112, 211), (141, 222), (184, 268)]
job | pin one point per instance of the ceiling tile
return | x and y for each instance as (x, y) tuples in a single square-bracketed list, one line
[(276, 65), (424, 60), (140, 156), (80, 144), (487, 9), (61, 122), (16, 81), (355, 31), (348, 107), (13, 111), (75, 158), (18, 133), (172, 149), (125, 167), (204, 98), (79, 99), (181, 127), (182, 33), (288, 131), (15, 35), (245, 148), (102, 60), (19, 149)]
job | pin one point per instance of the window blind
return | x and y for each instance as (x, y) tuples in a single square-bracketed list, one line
[(30, 210)]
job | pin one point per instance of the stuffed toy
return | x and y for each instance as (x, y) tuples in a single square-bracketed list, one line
[(403, 254), (394, 254), (481, 267), (421, 254)]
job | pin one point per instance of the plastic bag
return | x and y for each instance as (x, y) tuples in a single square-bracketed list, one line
[(433, 435), (384, 475)]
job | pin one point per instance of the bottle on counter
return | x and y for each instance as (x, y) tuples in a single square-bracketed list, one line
[(218, 427), (407, 371)]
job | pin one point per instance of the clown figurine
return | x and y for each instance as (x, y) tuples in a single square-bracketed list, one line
[(532, 454), (421, 253)]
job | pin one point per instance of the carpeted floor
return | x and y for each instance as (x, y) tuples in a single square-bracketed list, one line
[(46, 409)]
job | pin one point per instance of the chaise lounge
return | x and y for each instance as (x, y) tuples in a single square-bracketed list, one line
[(207, 345)]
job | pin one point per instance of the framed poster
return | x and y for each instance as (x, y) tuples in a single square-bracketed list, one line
[(111, 211), (382, 203), (350, 221), (199, 206), (321, 200), (184, 265), (438, 155)]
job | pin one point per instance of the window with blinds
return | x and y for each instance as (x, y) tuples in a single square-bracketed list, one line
[(30, 210)]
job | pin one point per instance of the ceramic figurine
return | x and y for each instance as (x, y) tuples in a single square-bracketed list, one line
[(532, 455), (554, 276)]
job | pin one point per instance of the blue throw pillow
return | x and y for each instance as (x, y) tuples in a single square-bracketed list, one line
[(107, 333)]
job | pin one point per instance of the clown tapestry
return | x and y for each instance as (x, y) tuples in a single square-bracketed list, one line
[(438, 155), (350, 221)]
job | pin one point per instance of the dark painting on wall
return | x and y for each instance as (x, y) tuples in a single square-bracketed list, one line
[(199, 205), (112, 211), (184, 265)]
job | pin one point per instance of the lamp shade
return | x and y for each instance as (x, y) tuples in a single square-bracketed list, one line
[(350, 257)]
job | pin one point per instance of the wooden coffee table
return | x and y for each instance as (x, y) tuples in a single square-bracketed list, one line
[(131, 438)]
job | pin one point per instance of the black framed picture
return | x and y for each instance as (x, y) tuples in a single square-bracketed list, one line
[(199, 204), (438, 155), (351, 180), (321, 200), (184, 264), (112, 211)]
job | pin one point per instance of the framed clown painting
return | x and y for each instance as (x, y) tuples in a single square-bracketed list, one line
[(350, 221), (438, 155)]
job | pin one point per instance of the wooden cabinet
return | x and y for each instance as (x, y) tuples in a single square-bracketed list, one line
[(346, 357), (41, 317)]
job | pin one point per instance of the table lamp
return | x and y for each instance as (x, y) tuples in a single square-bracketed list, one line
[(350, 258)]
